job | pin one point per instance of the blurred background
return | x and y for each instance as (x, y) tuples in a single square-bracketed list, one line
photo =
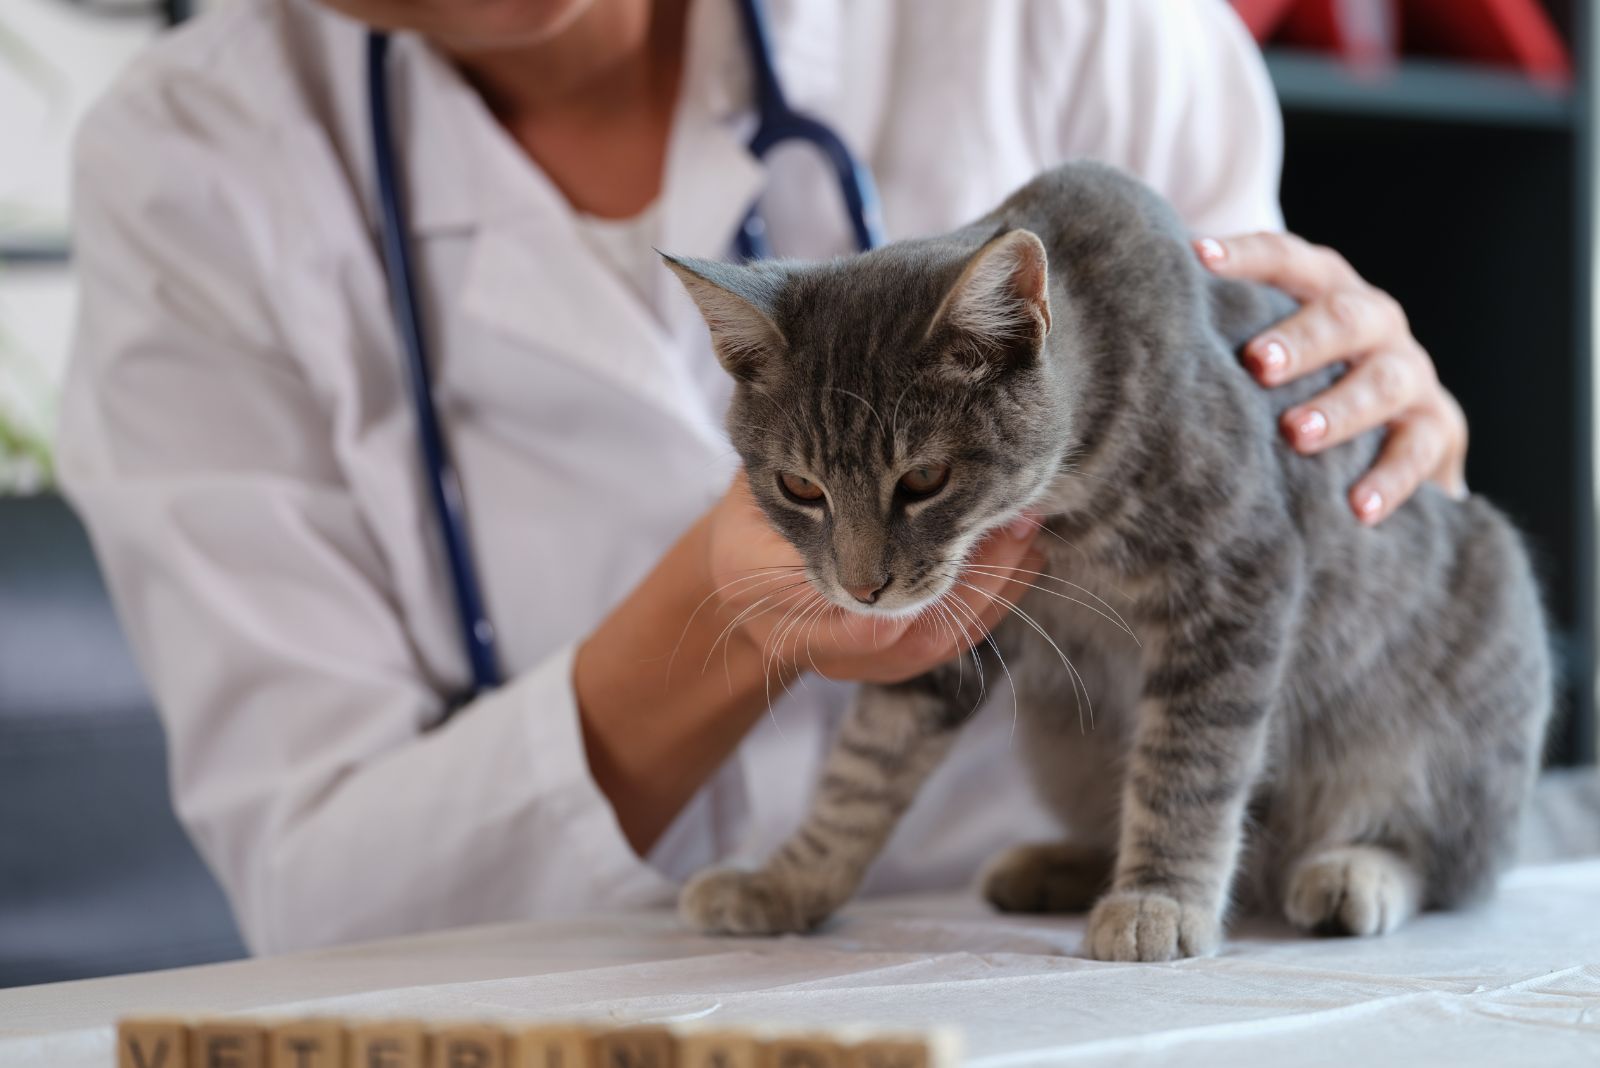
[(1446, 147)]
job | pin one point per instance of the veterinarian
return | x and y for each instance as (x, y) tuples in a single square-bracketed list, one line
[(240, 436)]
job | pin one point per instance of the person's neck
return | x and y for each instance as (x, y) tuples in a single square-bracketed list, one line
[(592, 104), (604, 58)]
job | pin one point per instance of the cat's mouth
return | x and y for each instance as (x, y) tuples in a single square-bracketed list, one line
[(899, 602)]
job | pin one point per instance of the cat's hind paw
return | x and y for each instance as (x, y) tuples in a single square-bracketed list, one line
[(1046, 877), (729, 901), (1136, 926), (1353, 890)]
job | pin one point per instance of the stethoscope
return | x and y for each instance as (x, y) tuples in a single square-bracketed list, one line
[(776, 123)]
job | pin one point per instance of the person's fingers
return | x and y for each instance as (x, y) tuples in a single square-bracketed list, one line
[(1299, 268), (1451, 474), (1376, 390), (1413, 451), (1338, 325)]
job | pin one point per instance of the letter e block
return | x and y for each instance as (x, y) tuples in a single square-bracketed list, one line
[(227, 1044)]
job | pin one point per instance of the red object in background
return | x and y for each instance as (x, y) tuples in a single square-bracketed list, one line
[(1263, 17), (1362, 31), (1515, 33)]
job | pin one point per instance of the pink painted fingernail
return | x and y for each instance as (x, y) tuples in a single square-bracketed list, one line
[(1274, 356), (1211, 250), (1268, 359), (1368, 504), (1309, 426), (1021, 528)]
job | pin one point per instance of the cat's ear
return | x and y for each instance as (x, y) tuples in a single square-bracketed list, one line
[(998, 310), (738, 305)]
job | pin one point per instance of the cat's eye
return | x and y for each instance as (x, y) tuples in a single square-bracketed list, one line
[(800, 489), (926, 480)]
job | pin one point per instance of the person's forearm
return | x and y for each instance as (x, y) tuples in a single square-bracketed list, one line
[(653, 740)]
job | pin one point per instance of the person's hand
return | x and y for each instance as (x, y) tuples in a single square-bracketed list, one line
[(1391, 380), (765, 600)]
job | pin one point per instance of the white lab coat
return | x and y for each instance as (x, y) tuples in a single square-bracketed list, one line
[(236, 427)]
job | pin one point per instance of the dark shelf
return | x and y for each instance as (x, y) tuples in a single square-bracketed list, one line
[(27, 251), (1419, 89)]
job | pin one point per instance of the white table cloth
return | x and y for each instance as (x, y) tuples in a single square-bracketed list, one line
[(1514, 983)]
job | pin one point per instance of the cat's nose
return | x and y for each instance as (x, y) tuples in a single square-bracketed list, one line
[(868, 594)]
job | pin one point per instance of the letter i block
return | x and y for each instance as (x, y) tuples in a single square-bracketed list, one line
[(306, 1044), (227, 1044), (467, 1046), (719, 1049), (387, 1044), (152, 1043), (634, 1047)]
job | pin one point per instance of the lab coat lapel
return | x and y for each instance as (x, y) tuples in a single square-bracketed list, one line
[(535, 280), (534, 277)]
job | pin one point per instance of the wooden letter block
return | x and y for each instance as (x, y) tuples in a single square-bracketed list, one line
[(806, 1051), (227, 1044), (891, 1053), (634, 1047), (468, 1046), (154, 1043), (306, 1044), (718, 1049), (387, 1044), (552, 1047)]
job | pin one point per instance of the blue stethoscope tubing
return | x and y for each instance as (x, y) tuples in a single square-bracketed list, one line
[(776, 124)]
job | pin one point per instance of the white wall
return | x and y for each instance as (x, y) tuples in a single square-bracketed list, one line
[(55, 59)]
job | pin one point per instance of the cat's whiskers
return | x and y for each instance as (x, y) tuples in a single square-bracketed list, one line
[(730, 584), (816, 619), (1017, 611), (798, 596), (791, 636), (977, 624), (959, 635), (1115, 617), (775, 640), (745, 613)]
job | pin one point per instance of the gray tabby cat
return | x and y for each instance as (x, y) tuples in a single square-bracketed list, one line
[(1351, 716)]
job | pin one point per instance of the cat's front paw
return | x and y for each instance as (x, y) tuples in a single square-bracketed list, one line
[(729, 901), (1133, 926)]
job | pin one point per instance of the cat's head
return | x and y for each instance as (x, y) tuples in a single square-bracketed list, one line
[(890, 408)]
